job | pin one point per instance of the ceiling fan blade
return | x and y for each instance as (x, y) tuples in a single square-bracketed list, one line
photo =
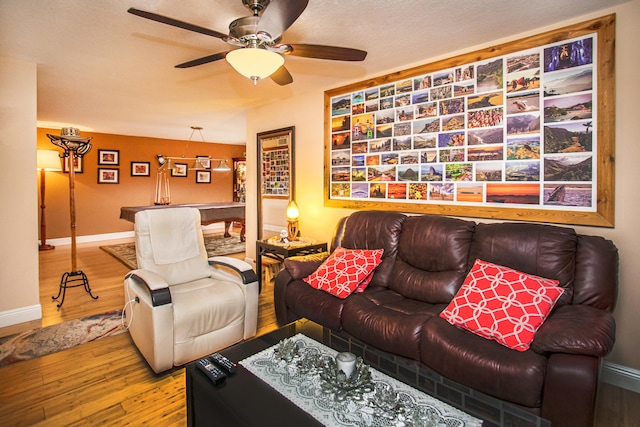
[(180, 24), (282, 76), (280, 15), (203, 60), (326, 52)]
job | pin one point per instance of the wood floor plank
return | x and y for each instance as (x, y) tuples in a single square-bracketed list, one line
[(112, 415), (107, 382)]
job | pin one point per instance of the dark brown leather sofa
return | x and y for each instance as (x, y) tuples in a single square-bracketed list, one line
[(425, 261)]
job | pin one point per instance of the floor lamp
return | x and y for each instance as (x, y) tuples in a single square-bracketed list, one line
[(74, 147), (47, 161)]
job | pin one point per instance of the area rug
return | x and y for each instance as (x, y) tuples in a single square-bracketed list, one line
[(216, 245), (51, 339)]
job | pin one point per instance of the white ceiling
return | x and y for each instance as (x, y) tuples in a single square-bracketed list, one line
[(104, 70)]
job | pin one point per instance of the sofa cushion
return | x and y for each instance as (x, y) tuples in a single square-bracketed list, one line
[(596, 281), (387, 320), (373, 230), (365, 282), (502, 304), (432, 258), (539, 249), (482, 364), (344, 271)]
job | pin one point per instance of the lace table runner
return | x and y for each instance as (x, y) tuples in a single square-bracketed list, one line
[(304, 389)]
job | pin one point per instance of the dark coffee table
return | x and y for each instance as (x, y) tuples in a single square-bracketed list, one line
[(245, 400)]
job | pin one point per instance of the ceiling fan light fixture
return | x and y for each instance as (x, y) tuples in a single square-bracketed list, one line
[(255, 63)]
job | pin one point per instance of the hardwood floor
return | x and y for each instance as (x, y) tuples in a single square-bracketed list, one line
[(107, 382)]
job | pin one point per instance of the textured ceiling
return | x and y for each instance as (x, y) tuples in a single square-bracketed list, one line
[(102, 69)]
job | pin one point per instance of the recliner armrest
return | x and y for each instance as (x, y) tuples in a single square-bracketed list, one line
[(242, 268), (157, 286)]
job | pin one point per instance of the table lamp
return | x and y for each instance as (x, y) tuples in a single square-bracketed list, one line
[(292, 220), (47, 160)]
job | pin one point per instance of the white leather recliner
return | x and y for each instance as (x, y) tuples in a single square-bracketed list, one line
[(184, 306)]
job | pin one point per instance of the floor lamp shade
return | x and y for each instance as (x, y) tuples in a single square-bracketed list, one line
[(47, 160)]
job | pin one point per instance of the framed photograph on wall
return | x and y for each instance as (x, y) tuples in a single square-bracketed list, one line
[(108, 176), (276, 163), (275, 171), (179, 170), (77, 162), (203, 177), (140, 168), (109, 157)]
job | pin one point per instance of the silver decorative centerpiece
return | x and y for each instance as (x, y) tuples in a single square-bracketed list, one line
[(340, 387), (343, 386), (286, 350)]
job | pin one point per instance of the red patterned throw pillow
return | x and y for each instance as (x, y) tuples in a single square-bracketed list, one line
[(344, 271), (502, 304), (365, 282)]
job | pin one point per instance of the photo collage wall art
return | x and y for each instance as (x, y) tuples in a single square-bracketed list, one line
[(275, 172), (517, 130)]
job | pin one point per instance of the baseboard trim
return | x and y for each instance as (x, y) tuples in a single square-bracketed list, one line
[(92, 238), (113, 236), (20, 315), (620, 376)]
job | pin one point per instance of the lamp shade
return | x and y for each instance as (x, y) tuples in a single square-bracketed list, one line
[(48, 160), (222, 166), (255, 63), (292, 211)]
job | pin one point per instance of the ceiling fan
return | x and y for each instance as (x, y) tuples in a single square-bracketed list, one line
[(258, 52)]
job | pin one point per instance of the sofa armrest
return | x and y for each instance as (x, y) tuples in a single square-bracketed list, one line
[(283, 279), (302, 266), (576, 329), (157, 287), (295, 268)]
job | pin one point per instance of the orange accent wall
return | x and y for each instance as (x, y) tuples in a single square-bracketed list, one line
[(98, 205)]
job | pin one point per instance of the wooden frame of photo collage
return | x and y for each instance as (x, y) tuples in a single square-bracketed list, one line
[(520, 131)]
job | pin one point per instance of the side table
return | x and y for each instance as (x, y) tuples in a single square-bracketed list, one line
[(271, 248)]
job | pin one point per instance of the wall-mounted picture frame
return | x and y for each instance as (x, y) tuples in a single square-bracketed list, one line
[(140, 168), (275, 169), (78, 165), (203, 177), (109, 157), (108, 176), (519, 131), (275, 154), (179, 170), (205, 161)]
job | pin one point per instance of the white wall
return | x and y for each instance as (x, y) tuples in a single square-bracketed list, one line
[(19, 294), (317, 221)]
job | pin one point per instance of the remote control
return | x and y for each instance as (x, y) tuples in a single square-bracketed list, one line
[(214, 374), (224, 363)]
